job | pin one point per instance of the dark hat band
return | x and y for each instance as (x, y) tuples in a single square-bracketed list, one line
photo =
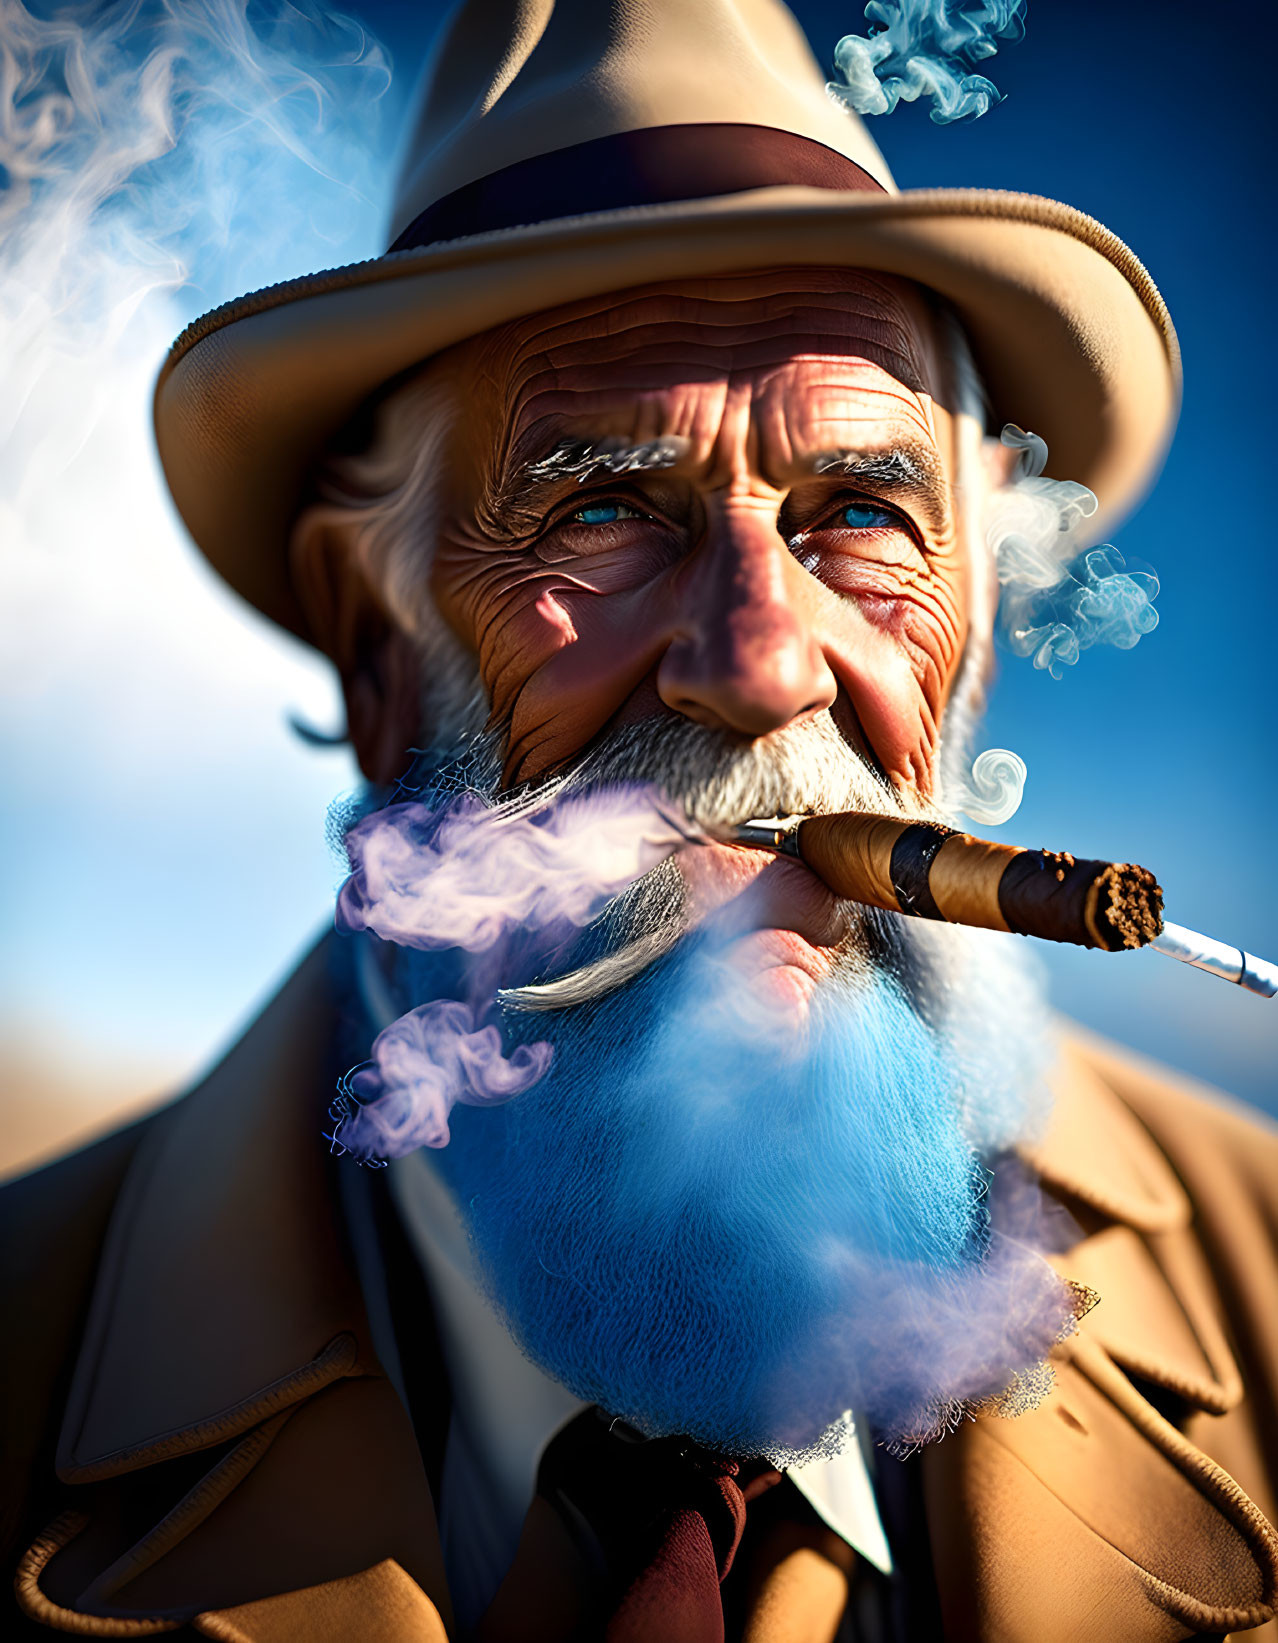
[(654, 166)]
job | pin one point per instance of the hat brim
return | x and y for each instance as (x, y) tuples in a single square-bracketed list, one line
[(1068, 330)]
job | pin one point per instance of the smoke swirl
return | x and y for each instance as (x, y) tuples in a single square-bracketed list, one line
[(1059, 599), (926, 48), (160, 157), (992, 792)]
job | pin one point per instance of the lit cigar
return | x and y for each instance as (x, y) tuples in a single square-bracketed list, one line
[(927, 870)]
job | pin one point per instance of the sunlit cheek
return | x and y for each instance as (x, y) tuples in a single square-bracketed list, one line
[(512, 616), (519, 610), (913, 606), (518, 634), (935, 633), (553, 616), (895, 587)]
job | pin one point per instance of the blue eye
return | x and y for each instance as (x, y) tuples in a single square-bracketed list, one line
[(605, 513), (864, 516)]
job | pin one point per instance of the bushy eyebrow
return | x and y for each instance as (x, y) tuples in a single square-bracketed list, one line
[(903, 465), (913, 472), (516, 501), (579, 459)]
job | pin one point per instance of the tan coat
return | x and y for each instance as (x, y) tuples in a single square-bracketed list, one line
[(202, 1441)]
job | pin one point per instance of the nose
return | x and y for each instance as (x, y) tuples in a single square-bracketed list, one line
[(746, 656)]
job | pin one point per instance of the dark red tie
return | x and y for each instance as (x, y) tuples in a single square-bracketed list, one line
[(659, 1521)]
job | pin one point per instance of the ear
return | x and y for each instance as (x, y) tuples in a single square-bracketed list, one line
[(375, 659)]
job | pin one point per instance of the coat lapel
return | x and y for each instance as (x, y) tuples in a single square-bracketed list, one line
[(381, 1605), (1092, 1515), (240, 1463), (230, 1435)]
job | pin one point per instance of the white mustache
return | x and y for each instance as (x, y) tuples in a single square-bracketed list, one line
[(808, 766), (590, 981)]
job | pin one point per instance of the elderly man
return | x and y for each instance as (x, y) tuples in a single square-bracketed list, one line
[(746, 1287)]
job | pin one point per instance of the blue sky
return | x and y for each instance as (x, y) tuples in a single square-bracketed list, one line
[(164, 828)]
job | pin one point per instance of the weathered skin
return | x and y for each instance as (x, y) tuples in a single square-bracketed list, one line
[(731, 589), (737, 598)]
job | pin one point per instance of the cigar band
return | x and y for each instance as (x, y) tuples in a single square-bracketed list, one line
[(912, 856)]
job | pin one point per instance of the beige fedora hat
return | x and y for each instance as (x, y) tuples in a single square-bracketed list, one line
[(567, 148)]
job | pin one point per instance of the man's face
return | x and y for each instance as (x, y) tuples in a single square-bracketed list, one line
[(787, 549), (704, 537)]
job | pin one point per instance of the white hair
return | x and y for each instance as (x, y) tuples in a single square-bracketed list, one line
[(387, 497)]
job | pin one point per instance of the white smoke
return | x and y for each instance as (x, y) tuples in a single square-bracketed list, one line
[(993, 790), (420, 1068), (1059, 598), (156, 158), (160, 158), (471, 875), (926, 48)]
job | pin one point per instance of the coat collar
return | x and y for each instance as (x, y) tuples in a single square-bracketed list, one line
[(224, 1288), (1097, 1153), (1113, 1510), (1091, 1516), (226, 1344), (226, 1312), (1156, 1315)]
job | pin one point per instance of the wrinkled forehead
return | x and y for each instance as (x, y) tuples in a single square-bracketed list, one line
[(602, 357)]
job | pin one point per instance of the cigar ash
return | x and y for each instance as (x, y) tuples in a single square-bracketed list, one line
[(1124, 907)]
